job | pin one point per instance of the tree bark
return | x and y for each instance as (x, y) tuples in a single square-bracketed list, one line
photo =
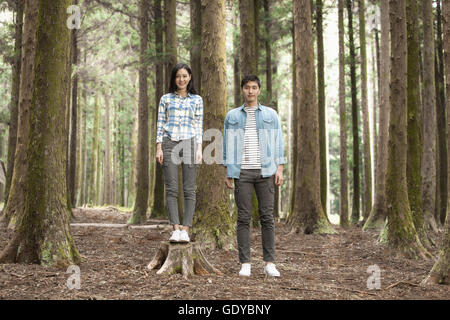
[(16, 200), (308, 212), (440, 273), (42, 231), (441, 118), (355, 126), (414, 126), (213, 221), (236, 65), (399, 232), (322, 106), (73, 118), (196, 36), (170, 41), (158, 203), (15, 91), (343, 167), (107, 168), (94, 154), (367, 207), (83, 185), (378, 213), (187, 259), (248, 58), (142, 166), (428, 169)]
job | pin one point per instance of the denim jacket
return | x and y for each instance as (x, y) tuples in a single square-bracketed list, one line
[(270, 140)]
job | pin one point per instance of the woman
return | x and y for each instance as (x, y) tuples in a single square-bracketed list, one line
[(179, 137)]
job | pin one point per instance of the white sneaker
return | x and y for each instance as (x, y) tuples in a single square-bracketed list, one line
[(245, 270), (184, 237), (271, 270), (175, 236)]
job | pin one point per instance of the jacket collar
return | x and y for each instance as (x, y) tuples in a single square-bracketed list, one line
[(241, 108)]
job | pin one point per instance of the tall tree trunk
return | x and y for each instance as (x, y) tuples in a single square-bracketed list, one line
[(142, 166), (248, 58), (294, 129), (15, 202), (249, 46), (158, 196), (83, 184), (399, 233), (376, 96), (212, 220), (441, 118), (365, 113), (15, 90), (268, 47), (196, 36), (107, 175), (322, 106), (343, 167), (308, 212), (78, 169), (355, 126), (73, 118), (42, 231), (428, 169), (414, 126), (440, 273), (236, 71), (257, 8), (378, 213), (170, 41), (94, 154)]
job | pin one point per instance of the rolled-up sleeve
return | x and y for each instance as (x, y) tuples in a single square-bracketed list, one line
[(224, 141), (198, 123), (161, 120), (279, 145)]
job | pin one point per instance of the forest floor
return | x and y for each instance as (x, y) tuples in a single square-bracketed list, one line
[(312, 267)]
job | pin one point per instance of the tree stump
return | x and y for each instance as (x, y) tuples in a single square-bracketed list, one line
[(184, 258)]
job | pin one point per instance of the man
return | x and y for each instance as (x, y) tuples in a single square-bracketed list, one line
[(253, 156)]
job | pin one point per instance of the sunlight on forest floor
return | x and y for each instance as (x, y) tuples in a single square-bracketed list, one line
[(334, 218)]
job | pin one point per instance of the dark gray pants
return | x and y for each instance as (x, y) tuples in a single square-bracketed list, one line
[(248, 181), (170, 169)]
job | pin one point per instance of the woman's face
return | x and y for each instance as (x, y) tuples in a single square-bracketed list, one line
[(182, 79)]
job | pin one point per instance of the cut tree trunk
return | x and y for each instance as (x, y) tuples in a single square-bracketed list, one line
[(187, 259)]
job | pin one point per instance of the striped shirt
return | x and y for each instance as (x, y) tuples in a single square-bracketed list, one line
[(251, 158), (180, 118)]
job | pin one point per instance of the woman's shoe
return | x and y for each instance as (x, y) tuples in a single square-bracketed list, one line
[(184, 237), (175, 236)]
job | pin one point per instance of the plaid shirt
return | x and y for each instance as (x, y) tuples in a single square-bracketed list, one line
[(180, 118)]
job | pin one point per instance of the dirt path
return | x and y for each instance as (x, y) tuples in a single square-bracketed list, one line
[(312, 267)]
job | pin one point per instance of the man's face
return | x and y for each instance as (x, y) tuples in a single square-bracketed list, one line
[(251, 91)]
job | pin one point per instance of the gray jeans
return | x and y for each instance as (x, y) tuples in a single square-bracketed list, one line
[(184, 152), (248, 181)]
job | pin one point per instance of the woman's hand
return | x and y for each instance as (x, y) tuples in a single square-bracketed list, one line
[(198, 154), (159, 154)]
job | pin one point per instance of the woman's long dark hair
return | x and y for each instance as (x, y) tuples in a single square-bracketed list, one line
[(173, 86)]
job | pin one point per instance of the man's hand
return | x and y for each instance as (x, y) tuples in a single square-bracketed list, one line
[(229, 182), (279, 176)]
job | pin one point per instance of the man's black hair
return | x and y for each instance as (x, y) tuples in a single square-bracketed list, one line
[(248, 78), (173, 86)]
